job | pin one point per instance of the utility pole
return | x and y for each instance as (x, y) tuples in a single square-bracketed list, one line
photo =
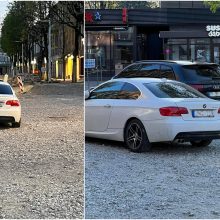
[(22, 57), (49, 51)]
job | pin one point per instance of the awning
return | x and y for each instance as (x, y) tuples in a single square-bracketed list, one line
[(183, 34)]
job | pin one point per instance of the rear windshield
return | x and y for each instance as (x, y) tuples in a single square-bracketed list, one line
[(5, 90), (143, 70), (201, 71), (173, 90)]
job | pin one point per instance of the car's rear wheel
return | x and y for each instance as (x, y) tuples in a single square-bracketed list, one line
[(202, 143), (135, 137), (16, 124)]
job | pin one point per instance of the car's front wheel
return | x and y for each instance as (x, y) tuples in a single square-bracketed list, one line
[(135, 137), (202, 143)]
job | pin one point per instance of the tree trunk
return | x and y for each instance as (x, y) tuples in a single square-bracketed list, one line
[(75, 55), (63, 55)]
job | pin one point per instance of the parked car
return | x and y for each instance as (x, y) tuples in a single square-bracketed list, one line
[(205, 77), (10, 108), (141, 111)]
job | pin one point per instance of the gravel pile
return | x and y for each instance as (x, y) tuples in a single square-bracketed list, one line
[(172, 181), (41, 163)]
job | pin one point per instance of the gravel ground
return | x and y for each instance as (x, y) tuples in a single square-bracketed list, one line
[(41, 163), (172, 181)]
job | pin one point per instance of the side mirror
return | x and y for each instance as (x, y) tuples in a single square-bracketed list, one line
[(86, 94)]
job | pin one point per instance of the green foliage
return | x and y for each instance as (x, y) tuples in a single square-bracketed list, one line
[(121, 4), (213, 5), (16, 25)]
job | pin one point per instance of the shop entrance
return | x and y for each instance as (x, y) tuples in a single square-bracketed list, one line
[(216, 50)]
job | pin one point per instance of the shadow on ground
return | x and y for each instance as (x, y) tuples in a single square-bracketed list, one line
[(159, 148)]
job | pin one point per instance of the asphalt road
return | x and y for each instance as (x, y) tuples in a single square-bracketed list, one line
[(172, 181), (41, 163)]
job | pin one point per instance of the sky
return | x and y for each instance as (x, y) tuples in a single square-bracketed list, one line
[(3, 10)]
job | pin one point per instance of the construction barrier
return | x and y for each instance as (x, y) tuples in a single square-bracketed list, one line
[(20, 83)]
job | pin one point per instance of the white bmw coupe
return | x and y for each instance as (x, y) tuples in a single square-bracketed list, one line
[(10, 108), (141, 111)]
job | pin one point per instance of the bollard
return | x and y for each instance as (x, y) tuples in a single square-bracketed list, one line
[(5, 78), (20, 83)]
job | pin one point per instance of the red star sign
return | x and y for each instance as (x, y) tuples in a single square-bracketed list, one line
[(88, 17)]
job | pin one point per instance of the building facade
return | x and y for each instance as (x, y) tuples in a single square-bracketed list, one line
[(62, 46), (175, 31), (5, 64)]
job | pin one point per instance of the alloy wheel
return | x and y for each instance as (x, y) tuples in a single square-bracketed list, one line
[(135, 136)]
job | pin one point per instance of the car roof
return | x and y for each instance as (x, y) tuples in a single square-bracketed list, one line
[(143, 80), (180, 62), (4, 83)]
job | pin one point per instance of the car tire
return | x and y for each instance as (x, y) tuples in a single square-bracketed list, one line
[(135, 137), (202, 143), (16, 124)]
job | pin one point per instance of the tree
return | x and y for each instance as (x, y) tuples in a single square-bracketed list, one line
[(121, 4), (70, 13), (213, 5), (22, 25)]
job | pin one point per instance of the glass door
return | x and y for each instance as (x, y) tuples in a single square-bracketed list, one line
[(216, 53)]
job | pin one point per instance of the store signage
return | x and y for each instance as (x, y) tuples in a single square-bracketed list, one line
[(124, 16), (91, 17), (213, 30), (89, 63)]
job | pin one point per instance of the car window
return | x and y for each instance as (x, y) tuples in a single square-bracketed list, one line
[(167, 72), (108, 90), (5, 90), (129, 71), (173, 90), (201, 71), (148, 70), (129, 91)]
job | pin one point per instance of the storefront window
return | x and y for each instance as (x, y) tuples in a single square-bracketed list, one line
[(176, 49), (123, 46), (111, 49), (199, 49), (192, 49)]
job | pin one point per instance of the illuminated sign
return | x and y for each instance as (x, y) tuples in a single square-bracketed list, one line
[(91, 17), (124, 16), (213, 30)]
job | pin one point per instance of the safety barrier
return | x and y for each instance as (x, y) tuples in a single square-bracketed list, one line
[(20, 83)]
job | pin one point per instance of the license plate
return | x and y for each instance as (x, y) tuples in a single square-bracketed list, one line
[(202, 113), (213, 94), (1, 104)]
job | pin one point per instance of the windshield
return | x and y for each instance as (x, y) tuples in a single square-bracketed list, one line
[(173, 90), (201, 71), (5, 90)]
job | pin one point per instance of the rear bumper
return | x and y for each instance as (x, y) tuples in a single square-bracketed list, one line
[(7, 119), (173, 128), (199, 135), (6, 114)]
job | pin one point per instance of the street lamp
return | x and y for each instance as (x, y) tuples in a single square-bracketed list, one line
[(49, 48)]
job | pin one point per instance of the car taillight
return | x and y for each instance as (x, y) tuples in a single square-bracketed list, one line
[(13, 103), (219, 111), (198, 87), (173, 111)]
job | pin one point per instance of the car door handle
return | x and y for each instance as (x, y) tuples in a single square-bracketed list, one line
[(107, 106)]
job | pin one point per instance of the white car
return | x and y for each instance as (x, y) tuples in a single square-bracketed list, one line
[(10, 107), (141, 111)]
